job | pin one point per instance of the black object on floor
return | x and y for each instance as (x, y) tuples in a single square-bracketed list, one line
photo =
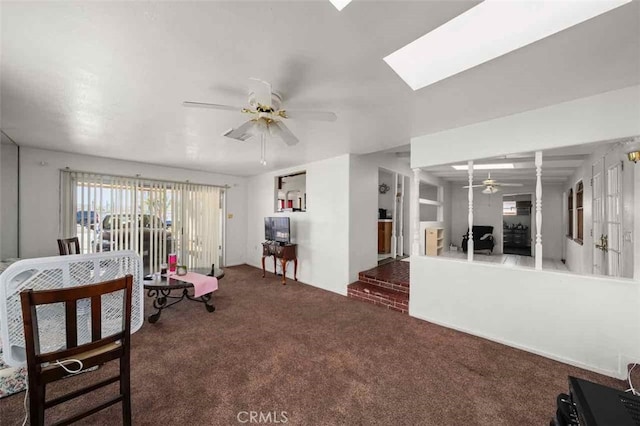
[(592, 404), (520, 251)]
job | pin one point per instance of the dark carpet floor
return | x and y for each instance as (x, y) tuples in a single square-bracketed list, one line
[(323, 359)]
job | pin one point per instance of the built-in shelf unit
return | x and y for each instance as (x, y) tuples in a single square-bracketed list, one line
[(434, 241)]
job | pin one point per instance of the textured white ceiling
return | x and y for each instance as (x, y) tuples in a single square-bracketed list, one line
[(108, 78)]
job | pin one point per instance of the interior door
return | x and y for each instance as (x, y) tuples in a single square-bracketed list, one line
[(598, 215), (607, 216), (613, 216)]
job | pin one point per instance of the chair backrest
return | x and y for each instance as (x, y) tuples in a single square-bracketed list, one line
[(69, 297), (480, 230), (66, 246)]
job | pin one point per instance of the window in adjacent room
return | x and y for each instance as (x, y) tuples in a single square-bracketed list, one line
[(291, 192), (579, 212), (570, 204), (509, 208)]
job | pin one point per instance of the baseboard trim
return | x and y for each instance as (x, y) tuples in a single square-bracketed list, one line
[(611, 373), (341, 292)]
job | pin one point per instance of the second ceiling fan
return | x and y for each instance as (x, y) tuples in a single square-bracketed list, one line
[(491, 186)]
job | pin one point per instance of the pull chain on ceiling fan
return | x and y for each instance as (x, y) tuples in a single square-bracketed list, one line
[(267, 116)]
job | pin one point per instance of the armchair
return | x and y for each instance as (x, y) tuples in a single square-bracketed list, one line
[(479, 243)]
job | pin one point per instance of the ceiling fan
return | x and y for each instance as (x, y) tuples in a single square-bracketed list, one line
[(267, 116), (491, 186)]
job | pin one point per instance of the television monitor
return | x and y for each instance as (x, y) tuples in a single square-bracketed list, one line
[(277, 229)]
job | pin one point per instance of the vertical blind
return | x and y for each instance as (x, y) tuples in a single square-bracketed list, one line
[(153, 218)]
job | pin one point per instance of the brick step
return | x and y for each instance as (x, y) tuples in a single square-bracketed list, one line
[(393, 275), (390, 283), (371, 293)]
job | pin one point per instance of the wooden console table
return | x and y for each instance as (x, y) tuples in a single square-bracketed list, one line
[(284, 253)]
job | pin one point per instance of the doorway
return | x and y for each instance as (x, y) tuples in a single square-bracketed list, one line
[(393, 216), (517, 226)]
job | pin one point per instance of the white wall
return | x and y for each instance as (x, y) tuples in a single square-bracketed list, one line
[(386, 200), (363, 215), (580, 256), (9, 201), (40, 196), (601, 117), (321, 233), (593, 323)]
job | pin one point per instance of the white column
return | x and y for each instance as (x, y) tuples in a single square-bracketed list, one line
[(401, 217), (538, 209), (394, 218), (470, 240), (415, 213)]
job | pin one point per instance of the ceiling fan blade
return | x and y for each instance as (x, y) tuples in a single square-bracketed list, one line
[(242, 133), (308, 115), (507, 184), (475, 186), (262, 91), (212, 106), (280, 130)]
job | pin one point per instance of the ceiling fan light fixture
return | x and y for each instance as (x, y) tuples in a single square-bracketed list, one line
[(267, 115), (490, 190)]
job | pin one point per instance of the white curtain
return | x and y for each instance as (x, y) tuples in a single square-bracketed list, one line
[(153, 218)]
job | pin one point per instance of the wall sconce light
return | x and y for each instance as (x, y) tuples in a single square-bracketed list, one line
[(632, 147)]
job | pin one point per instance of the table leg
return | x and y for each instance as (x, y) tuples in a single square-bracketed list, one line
[(263, 268), (159, 302), (284, 271), (206, 298), (275, 270), (295, 269)]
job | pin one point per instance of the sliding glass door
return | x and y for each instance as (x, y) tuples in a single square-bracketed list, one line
[(153, 218)]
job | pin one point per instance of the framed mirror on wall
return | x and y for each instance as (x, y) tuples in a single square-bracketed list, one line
[(291, 192)]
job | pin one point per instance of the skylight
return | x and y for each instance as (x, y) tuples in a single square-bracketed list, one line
[(485, 32), (340, 4), (485, 166)]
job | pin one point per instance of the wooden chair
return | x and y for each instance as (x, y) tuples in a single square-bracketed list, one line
[(43, 367), (65, 246)]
